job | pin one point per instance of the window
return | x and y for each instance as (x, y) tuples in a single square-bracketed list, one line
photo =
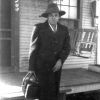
[(69, 6)]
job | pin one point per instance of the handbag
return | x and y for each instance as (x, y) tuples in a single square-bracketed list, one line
[(31, 86)]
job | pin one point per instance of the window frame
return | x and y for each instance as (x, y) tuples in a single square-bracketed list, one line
[(60, 5)]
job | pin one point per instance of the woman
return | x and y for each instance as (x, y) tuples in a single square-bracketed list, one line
[(50, 48)]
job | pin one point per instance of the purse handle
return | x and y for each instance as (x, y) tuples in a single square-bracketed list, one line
[(28, 75)]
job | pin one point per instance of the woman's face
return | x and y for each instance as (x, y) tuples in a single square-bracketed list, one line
[(53, 18)]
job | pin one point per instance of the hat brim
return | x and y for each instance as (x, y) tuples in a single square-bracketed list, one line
[(46, 14)]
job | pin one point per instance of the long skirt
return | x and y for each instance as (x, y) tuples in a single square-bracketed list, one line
[(49, 82)]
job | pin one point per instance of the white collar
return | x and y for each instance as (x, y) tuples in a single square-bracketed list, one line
[(52, 27)]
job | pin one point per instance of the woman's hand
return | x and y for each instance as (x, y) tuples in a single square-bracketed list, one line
[(57, 65)]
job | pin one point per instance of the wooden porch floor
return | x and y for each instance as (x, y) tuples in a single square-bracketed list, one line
[(72, 81)]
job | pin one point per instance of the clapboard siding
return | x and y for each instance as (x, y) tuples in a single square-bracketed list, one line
[(29, 16), (77, 62), (86, 14)]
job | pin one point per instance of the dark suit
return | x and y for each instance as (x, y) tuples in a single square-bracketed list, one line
[(48, 48)]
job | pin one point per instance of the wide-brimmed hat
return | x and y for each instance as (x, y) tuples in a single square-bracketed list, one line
[(52, 8)]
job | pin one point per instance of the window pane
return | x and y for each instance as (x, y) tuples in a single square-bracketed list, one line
[(66, 9), (73, 12), (73, 2), (65, 2)]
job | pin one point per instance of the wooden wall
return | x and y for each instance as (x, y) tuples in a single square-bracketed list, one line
[(85, 21), (29, 16), (84, 24)]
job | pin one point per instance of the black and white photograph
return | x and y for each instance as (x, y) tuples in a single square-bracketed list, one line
[(49, 49)]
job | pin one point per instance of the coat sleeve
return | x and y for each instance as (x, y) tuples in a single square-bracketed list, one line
[(33, 48), (66, 47)]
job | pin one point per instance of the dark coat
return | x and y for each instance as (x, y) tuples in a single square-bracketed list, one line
[(48, 46)]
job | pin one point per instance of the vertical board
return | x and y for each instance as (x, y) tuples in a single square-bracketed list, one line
[(5, 34)]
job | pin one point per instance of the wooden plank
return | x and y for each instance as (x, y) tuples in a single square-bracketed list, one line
[(79, 80)]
